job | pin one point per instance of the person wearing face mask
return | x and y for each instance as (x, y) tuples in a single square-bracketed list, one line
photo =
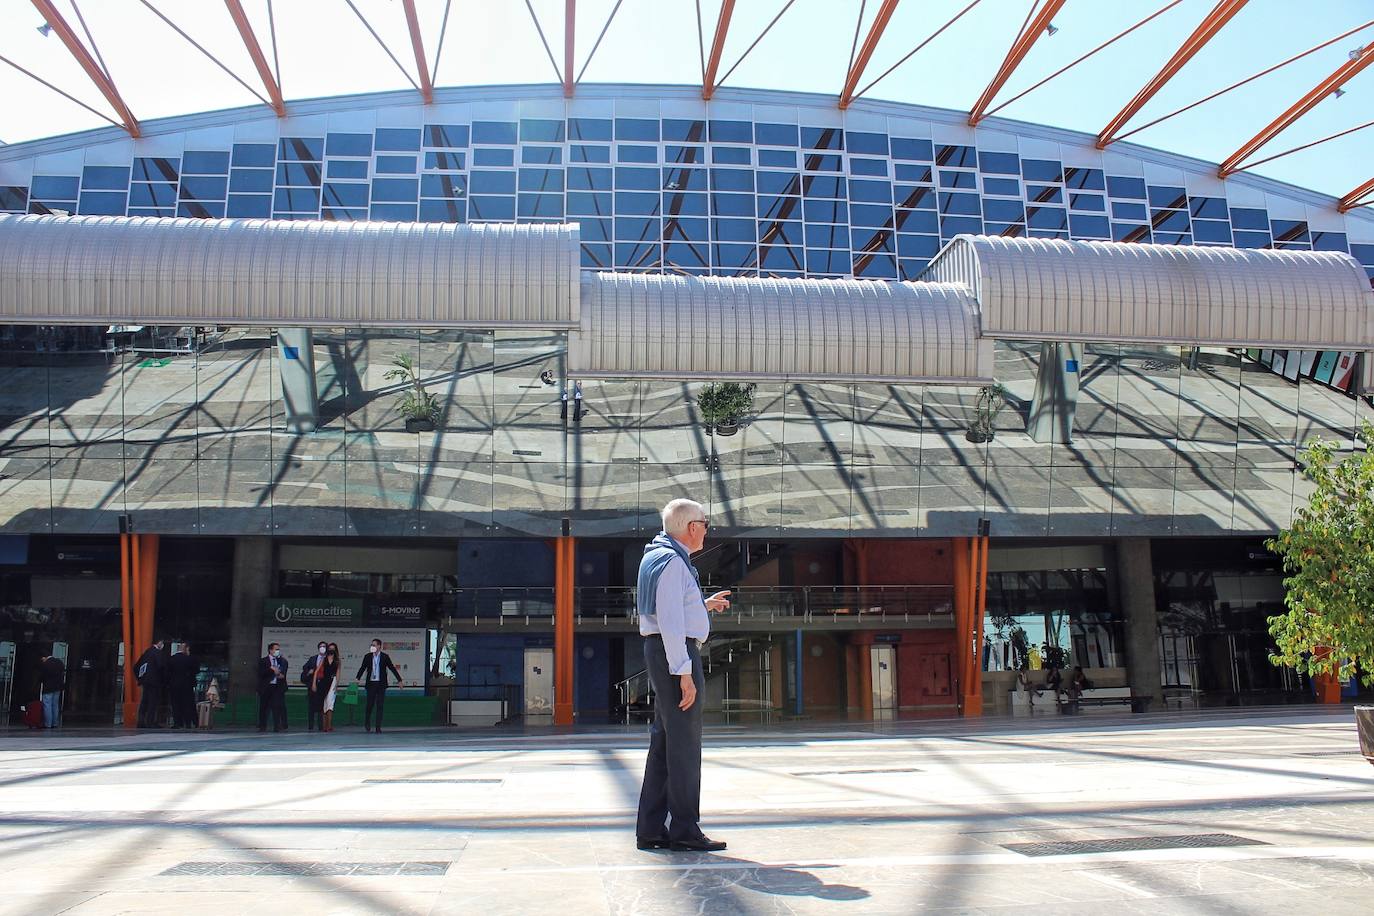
[(332, 657), (272, 689), (317, 675), (373, 674)]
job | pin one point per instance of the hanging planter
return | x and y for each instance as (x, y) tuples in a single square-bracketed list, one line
[(723, 405), (991, 401)]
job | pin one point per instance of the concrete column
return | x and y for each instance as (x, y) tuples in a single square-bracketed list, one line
[(1056, 393), (254, 573), (296, 366), (1136, 581)]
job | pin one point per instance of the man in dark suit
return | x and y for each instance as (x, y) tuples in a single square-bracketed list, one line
[(373, 674), (182, 670), (151, 672), (272, 689)]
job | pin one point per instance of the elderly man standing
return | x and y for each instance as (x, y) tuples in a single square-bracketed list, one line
[(674, 623)]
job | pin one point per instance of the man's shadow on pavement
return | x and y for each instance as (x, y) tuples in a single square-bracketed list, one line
[(779, 880)]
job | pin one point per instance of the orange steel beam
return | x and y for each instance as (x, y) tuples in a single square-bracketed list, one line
[(875, 33), (1342, 74), (1206, 30), (83, 57), (569, 36), (130, 705), (1019, 49), (708, 79), (1356, 198), (417, 42), (563, 659), (250, 41)]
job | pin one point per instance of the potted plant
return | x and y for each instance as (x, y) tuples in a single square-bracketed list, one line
[(991, 400), (723, 405), (418, 406)]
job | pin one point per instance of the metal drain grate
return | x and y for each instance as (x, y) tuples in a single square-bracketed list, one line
[(478, 782), (852, 772), (1131, 844), (305, 869)]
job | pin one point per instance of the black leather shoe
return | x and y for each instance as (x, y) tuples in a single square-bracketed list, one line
[(700, 844), (655, 843)]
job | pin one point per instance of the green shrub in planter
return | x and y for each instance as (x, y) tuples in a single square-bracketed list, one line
[(724, 404)]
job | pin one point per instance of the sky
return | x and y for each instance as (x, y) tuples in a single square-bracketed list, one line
[(325, 50)]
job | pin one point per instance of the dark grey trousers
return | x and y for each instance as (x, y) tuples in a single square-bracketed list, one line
[(672, 774)]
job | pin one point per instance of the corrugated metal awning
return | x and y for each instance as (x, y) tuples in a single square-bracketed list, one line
[(654, 326), (117, 270), (1047, 289)]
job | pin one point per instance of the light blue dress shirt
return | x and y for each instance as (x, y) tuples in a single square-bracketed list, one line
[(679, 615)]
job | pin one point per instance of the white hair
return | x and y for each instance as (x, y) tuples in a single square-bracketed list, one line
[(680, 513)]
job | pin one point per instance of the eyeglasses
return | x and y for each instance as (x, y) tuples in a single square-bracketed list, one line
[(705, 525)]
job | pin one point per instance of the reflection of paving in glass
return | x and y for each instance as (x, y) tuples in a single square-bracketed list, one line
[(1165, 441)]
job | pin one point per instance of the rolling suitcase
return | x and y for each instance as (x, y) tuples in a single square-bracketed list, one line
[(33, 714)]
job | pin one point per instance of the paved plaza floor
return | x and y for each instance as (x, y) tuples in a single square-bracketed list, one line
[(1258, 811)]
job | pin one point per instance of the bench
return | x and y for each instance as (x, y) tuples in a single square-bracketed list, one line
[(1105, 696)]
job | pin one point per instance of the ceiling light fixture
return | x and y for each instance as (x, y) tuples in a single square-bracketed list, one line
[(1051, 30), (45, 30)]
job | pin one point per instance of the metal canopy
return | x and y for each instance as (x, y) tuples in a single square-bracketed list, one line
[(1046, 289)]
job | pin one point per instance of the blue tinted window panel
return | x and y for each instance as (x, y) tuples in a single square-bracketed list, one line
[(1053, 218), (825, 211), (1169, 221), (1047, 234), (917, 174), (636, 203), (634, 179), (917, 198), (678, 204), (626, 152), (774, 207), (872, 240), (912, 150), (684, 154), (918, 221), (684, 179), (1289, 230), (1363, 253), (636, 229), (780, 257), (953, 179), (595, 129), (999, 163), (14, 198), (679, 130), (1165, 197), (1129, 211), (778, 183), (396, 165), (683, 254), (590, 179), (155, 169), (1007, 230), (1126, 188), (103, 203), (341, 168), (356, 145), (1093, 203), (254, 155), (819, 261), (732, 180), (823, 186), (445, 186), (298, 174), (960, 204), (1043, 170), (1006, 187), (597, 257), (594, 230), (488, 157), (730, 155), (492, 182), (105, 178), (344, 214), (1211, 230), (822, 162), (1330, 241), (299, 149), (1127, 232), (826, 236), (640, 129), (296, 200), (147, 194), (345, 195), (395, 190), (731, 131), (956, 157), (1088, 226), (1208, 207), (951, 226), (589, 203), (395, 213), (541, 179), (203, 187), (446, 136), (875, 167), (1004, 211), (152, 211), (868, 144), (688, 229), (735, 257), (911, 269), (1044, 194), (732, 205), (1172, 238), (822, 138), (1080, 179), (583, 153), (498, 133), (638, 255), (776, 135), (732, 230), (250, 206), (56, 187), (781, 233), (874, 215), (541, 206), (195, 209), (917, 246), (875, 266), (1247, 218), (442, 161), (541, 130), (864, 190), (397, 140)]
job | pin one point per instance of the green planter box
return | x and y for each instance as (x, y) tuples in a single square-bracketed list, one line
[(401, 710)]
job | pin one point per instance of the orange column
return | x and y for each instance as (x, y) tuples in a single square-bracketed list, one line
[(138, 598), (963, 616), (130, 705), (564, 579), (973, 695)]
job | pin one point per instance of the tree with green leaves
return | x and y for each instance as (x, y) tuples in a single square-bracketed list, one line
[(1328, 554)]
